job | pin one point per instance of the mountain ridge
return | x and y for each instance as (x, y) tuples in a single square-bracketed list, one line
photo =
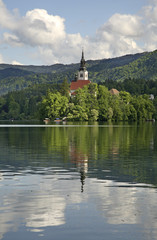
[(134, 66), (60, 66)]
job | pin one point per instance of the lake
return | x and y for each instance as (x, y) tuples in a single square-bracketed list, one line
[(88, 181)]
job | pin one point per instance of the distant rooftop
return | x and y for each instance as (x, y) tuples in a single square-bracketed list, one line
[(79, 84), (114, 91)]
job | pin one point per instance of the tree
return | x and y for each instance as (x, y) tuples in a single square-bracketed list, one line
[(117, 106), (125, 96), (64, 88), (32, 106), (155, 106), (14, 110), (80, 97), (2, 108), (143, 106), (54, 105), (94, 115), (91, 101), (77, 113), (105, 111), (86, 98)]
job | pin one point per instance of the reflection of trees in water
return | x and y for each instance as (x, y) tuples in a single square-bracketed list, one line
[(116, 147), (122, 149), (95, 139)]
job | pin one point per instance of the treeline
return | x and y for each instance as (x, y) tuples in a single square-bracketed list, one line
[(96, 103), (93, 102), (133, 86), (24, 104)]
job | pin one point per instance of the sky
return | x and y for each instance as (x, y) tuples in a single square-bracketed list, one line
[(37, 32)]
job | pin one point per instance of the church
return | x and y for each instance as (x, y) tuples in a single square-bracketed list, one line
[(81, 78)]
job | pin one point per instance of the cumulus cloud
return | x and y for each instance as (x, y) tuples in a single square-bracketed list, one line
[(126, 25), (35, 29), (121, 34), (118, 36), (150, 27), (14, 62), (7, 20)]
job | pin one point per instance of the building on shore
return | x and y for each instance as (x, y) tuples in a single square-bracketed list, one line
[(81, 78), (114, 91)]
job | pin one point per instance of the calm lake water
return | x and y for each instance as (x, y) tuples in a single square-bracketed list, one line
[(89, 182)]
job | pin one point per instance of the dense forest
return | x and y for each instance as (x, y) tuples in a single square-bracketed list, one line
[(24, 104), (96, 103), (133, 86), (93, 102)]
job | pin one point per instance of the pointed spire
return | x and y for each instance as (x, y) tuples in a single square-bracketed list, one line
[(82, 53), (83, 62)]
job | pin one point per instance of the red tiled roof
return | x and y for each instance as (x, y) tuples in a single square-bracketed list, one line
[(114, 91), (79, 84)]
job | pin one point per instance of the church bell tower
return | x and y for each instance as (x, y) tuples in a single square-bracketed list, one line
[(81, 77), (83, 73)]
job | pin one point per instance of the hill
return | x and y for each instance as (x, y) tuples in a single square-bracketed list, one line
[(136, 66), (144, 67)]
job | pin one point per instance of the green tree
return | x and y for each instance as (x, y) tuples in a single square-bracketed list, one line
[(125, 96), (32, 106), (143, 106), (117, 107), (65, 88), (86, 98), (94, 115), (105, 110), (80, 98), (14, 110), (2, 108), (77, 113), (54, 105), (92, 101)]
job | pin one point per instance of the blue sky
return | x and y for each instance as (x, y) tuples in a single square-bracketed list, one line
[(85, 16), (46, 32)]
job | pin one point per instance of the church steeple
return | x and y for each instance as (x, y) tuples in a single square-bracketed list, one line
[(83, 73), (81, 78), (83, 62)]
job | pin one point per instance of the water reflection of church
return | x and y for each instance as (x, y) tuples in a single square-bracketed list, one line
[(81, 160)]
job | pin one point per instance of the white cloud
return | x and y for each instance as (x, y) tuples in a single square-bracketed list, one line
[(117, 36), (126, 25), (35, 29), (7, 20), (150, 28), (121, 34), (14, 62)]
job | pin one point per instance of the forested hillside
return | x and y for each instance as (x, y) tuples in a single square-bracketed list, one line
[(144, 67), (22, 88), (138, 66)]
